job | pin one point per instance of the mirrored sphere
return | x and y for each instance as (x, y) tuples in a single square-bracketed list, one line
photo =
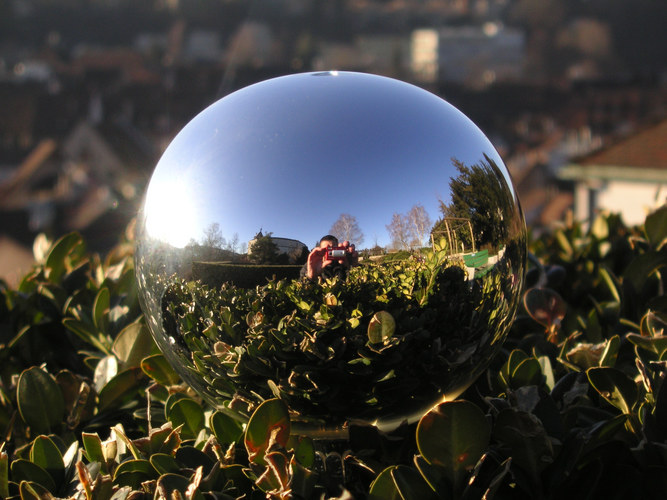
[(247, 303)]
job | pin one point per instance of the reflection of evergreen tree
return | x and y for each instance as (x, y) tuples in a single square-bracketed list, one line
[(479, 193), (264, 250)]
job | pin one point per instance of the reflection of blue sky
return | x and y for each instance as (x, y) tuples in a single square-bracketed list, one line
[(289, 156)]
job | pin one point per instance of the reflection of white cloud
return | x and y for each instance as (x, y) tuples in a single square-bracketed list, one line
[(169, 213)]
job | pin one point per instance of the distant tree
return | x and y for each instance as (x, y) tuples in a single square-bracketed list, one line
[(347, 228), (399, 232)]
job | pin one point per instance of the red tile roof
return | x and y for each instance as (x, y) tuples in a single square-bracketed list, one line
[(646, 148)]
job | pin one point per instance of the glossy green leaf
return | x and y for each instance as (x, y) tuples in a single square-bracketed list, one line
[(453, 435), (268, 425), (381, 327), (40, 400), (164, 464), (133, 344), (516, 357), (383, 487), (225, 428), (169, 483), (643, 266), (433, 475), (88, 334), (188, 414), (4, 474), (304, 451), (56, 259), (158, 368), (34, 491), (653, 324), (120, 388), (657, 345), (410, 484), (46, 454), (615, 387), (24, 470), (610, 352), (92, 445), (100, 309), (105, 371), (547, 371), (528, 372), (655, 226), (134, 472), (166, 439)]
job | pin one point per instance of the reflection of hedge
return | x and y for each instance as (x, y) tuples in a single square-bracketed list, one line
[(215, 274)]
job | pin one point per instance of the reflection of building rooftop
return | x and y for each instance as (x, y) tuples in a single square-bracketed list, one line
[(287, 246)]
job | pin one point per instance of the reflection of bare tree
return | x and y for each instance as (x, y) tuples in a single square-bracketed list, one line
[(479, 193), (213, 237), (214, 246), (346, 228), (419, 224), (409, 230), (399, 232)]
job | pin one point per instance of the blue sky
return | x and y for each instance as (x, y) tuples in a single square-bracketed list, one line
[(291, 154)]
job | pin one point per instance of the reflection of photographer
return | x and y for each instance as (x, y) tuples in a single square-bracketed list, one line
[(329, 259)]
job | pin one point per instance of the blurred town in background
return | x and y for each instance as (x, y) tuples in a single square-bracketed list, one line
[(572, 93)]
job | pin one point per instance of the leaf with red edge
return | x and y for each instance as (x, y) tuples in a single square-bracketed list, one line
[(545, 306), (269, 425)]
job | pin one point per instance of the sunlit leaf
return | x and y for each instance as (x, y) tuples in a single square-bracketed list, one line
[(46, 454), (268, 425), (100, 310), (381, 327), (120, 388), (189, 414), (158, 368), (56, 258), (614, 386), (133, 344)]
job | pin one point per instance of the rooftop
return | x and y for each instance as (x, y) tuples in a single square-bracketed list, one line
[(646, 148)]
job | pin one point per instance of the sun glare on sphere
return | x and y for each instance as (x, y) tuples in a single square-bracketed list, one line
[(169, 214)]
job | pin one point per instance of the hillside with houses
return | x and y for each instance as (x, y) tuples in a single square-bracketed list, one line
[(572, 94)]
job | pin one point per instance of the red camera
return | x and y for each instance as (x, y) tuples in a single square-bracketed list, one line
[(336, 253)]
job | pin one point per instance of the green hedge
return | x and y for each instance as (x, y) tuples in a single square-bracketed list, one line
[(574, 406)]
